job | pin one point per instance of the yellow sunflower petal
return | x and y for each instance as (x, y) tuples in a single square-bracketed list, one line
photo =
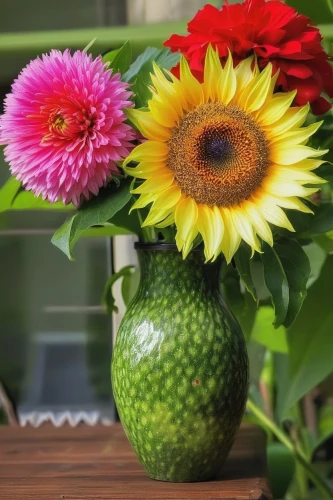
[(293, 118), (244, 73), (286, 187), (286, 155), (275, 108), (227, 84), (308, 164), (245, 229), (231, 237), (272, 85), (186, 215), (163, 112), (155, 184), (147, 125), (210, 225), (148, 150), (218, 231), (298, 136), (275, 215), (168, 221), (292, 203), (255, 93), (259, 222), (212, 74), (302, 176), (143, 201), (188, 245), (166, 88), (168, 198), (154, 217), (192, 89), (145, 170)]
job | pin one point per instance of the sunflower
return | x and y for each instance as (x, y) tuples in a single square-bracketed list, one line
[(223, 157)]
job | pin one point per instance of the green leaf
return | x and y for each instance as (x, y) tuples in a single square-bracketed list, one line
[(130, 221), (281, 468), (162, 57), (286, 271), (265, 334), (140, 71), (108, 299), (276, 282), (243, 264), (310, 340), (317, 257), (63, 238), (96, 212), (141, 88), (308, 225), (14, 197), (8, 193), (107, 230), (297, 269), (120, 59)]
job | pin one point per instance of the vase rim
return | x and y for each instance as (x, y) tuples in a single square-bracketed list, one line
[(150, 247)]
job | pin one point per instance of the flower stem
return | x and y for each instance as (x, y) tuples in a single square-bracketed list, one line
[(148, 234), (301, 458), (301, 474)]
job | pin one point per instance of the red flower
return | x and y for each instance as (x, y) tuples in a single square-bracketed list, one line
[(273, 31)]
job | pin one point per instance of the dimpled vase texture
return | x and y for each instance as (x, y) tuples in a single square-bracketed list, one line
[(180, 368)]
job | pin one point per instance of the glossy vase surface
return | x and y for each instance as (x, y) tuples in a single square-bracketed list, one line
[(180, 367)]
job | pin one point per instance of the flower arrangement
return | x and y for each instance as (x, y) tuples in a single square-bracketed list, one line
[(215, 144), (219, 135)]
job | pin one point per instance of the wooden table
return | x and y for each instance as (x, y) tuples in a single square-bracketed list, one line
[(97, 463)]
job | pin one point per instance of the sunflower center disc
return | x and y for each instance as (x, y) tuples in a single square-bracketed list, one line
[(219, 155), (217, 149)]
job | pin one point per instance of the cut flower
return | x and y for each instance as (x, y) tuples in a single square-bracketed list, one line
[(63, 126), (271, 30), (223, 158)]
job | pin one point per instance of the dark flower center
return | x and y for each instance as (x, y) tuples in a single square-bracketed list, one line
[(217, 149), (219, 155)]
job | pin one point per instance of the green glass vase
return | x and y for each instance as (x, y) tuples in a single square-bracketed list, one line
[(180, 367)]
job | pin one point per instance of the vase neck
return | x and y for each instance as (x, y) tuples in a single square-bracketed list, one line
[(161, 267)]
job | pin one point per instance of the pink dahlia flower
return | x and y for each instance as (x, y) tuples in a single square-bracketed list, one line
[(63, 126)]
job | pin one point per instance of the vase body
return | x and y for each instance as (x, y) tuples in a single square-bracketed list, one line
[(179, 368)]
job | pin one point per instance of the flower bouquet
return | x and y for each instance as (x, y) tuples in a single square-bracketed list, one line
[(207, 152)]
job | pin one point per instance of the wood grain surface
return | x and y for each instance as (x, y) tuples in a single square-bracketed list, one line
[(97, 463)]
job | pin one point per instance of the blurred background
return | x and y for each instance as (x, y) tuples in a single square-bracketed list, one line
[(55, 337)]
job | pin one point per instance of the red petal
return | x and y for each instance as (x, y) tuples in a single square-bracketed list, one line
[(280, 14), (233, 15), (265, 51), (296, 27), (176, 42), (307, 90), (207, 18), (298, 56), (270, 36), (290, 48), (320, 106), (296, 69)]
